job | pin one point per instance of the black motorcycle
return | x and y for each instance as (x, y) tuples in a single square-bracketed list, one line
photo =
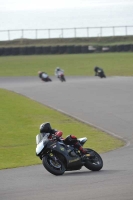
[(101, 73), (58, 157), (44, 76), (47, 79)]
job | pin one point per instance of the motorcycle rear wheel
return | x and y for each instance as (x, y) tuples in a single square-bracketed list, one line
[(54, 167), (62, 78), (95, 162)]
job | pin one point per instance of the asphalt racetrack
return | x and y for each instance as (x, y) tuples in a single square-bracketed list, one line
[(104, 103)]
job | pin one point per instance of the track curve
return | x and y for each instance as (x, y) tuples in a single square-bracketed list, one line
[(104, 103)]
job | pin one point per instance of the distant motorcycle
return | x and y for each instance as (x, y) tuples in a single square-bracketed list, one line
[(61, 76), (58, 157), (44, 77), (101, 74), (47, 79)]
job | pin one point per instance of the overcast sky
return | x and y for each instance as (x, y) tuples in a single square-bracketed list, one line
[(6, 5)]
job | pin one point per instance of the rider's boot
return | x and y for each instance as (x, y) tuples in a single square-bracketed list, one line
[(82, 150), (84, 153)]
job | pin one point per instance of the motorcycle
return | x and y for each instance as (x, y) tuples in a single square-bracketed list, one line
[(44, 76), (47, 79), (61, 76), (101, 74), (58, 157)]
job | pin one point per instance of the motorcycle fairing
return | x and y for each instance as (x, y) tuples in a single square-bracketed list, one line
[(82, 140), (39, 148), (39, 137), (66, 151), (41, 142)]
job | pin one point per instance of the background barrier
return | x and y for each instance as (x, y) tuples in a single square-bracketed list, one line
[(71, 49)]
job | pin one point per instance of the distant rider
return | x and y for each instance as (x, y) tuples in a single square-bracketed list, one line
[(58, 71), (69, 140), (96, 70), (43, 76), (99, 71)]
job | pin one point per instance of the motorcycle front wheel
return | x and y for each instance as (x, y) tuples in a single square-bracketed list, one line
[(54, 166), (94, 161)]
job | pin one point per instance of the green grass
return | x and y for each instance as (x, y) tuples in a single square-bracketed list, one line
[(19, 124), (114, 64)]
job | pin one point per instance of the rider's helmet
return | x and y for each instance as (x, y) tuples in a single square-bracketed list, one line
[(57, 68), (45, 128), (39, 72), (96, 68)]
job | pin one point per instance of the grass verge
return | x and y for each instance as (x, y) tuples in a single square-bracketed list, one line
[(20, 119), (114, 64)]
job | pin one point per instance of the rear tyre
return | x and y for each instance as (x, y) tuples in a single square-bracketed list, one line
[(64, 78), (94, 162), (49, 79), (102, 75), (55, 167)]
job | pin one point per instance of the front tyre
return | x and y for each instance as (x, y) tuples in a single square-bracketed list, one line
[(54, 166), (94, 162)]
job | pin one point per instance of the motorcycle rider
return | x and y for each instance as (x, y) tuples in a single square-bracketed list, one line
[(43, 76), (69, 140), (58, 71), (97, 70)]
